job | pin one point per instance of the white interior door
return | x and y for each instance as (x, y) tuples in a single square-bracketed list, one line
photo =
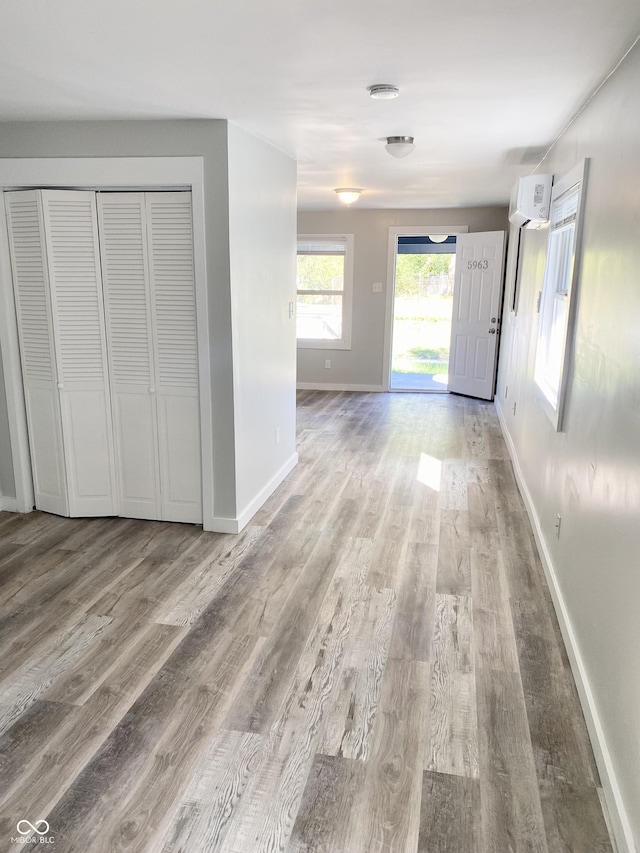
[(476, 314), (77, 311), (124, 354), (147, 256), (173, 307), (56, 271), (35, 334), (123, 242)]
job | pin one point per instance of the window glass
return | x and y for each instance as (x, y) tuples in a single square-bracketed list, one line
[(320, 317), (320, 272)]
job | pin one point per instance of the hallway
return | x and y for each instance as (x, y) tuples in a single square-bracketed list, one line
[(373, 664)]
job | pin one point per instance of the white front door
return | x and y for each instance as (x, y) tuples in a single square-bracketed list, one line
[(476, 314)]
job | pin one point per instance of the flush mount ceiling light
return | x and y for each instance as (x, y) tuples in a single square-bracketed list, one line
[(383, 91), (399, 146), (348, 195), (438, 238)]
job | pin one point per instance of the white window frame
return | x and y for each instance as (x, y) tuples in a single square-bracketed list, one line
[(560, 283), (344, 342)]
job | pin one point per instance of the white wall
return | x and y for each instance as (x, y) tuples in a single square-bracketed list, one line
[(363, 364), (207, 139), (262, 241), (590, 473)]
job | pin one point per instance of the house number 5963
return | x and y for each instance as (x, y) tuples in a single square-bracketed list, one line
[(477, 265)]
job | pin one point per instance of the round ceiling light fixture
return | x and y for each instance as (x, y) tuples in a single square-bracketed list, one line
[(399, 146), (438, 238), (383, 91), (348, 195)]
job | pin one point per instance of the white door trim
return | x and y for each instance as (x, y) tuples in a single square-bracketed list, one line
[(135, 173), (396, 231)]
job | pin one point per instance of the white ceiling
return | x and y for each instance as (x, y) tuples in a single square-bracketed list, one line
[(485, 84)]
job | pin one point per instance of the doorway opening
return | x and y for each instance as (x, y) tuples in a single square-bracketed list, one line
[(422, 313)]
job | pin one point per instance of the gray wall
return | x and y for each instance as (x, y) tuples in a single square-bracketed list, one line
[(262, 231), (208, 139), (363, 364), (590, 473)]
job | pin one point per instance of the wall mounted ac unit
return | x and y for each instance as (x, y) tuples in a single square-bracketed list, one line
[(530, 201)]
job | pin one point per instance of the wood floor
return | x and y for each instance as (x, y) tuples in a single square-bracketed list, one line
[(372, 665)]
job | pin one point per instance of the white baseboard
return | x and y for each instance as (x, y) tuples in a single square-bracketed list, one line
[(620, 824), (219, 524), (8, 504), (333, 386)]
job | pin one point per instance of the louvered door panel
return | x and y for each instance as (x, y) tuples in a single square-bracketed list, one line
[(71, 234), (106, 308), (123, 239), (170, 241), (171, 256), (31, 287)]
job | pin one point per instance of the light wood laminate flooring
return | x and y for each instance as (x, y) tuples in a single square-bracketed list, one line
[(373, 664)]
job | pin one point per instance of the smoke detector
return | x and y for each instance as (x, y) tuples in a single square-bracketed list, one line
[(383, 91)]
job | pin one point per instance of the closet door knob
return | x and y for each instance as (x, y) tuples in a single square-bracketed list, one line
[(152, 390), (61, 385)]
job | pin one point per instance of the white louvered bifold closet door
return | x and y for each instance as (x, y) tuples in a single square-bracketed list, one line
[(71, 352), (33, 308), (123, 243), (147, 256), (173, 305)]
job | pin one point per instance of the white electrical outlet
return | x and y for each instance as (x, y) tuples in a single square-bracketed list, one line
[(377, 287), (327, 363), (277, 435)]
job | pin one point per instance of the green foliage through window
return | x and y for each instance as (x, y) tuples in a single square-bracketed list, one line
[(320, 272), (419, 275)]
